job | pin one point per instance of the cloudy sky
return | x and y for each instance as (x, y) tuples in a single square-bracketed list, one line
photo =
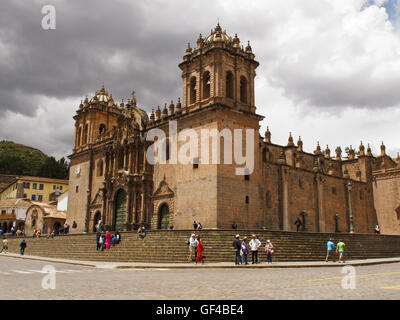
[(329, 69)]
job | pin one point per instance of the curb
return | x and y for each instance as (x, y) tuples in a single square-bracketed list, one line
[(191, 266)]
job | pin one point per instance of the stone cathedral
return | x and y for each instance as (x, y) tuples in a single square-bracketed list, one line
[(111, 179)]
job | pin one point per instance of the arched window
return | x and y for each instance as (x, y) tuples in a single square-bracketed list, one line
[(229, 85), (85, 134), (102, 129), (193, 90), (243, 89), (100, 168), (206, 84)]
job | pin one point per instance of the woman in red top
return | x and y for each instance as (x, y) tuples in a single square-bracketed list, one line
[(108, 240), (200, 249)]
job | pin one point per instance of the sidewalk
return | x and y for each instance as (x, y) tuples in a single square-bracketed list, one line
[(230, 265)]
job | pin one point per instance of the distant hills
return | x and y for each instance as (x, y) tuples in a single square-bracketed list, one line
[(18, 159)]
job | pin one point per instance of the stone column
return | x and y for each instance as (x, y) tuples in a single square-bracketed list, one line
[(142, 207), (134, 209)]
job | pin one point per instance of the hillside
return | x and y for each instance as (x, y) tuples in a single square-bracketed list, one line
[(19, 159)]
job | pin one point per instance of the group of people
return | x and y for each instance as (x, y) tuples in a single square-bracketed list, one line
[(196, 249), (197, 225), (18, 233), (4, 248), (331, 250), (242, 249), (107, 241)]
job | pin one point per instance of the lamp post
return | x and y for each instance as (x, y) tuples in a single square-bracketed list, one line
[(351, 221), (336, 223)]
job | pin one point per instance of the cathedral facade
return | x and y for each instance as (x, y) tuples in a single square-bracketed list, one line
[(111, 178)]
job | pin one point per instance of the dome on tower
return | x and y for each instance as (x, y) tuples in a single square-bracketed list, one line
[(218, 36), (101, 96)]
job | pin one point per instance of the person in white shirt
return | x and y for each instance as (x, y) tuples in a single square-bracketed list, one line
[(254, 244), (192, 241), (5, 245)]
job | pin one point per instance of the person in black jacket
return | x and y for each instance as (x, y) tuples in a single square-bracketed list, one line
[(23, 246), (237, 245)]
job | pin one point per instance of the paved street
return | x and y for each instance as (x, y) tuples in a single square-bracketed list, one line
[(22, 279)]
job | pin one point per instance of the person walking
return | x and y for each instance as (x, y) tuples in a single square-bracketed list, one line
[(340, 249), (245, 250), (237, 245), (329, 250), (119, 238), (22, 245), (98, 236), (269, 250), (298, 224), (200, 249), (5, 245), (192, 249), (254, 245), (100, 243)]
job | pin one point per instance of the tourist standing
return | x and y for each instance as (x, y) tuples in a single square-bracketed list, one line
[(99, 225), (98, 243), (269, 251), (199, 226), (108, 240), (298, 224), (200, 249), (102, 242), (74, 226), (22, 245), (5, 245), (195, 225), (254, 245), (119, 238), (340, 249), (192, 249), (245, 250), (237, 245), (329, 250), (377, 230)]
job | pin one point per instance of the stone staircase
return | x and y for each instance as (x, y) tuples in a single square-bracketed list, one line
[(170, 246)]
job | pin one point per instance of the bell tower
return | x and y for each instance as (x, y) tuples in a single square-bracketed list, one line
[(219, 70)]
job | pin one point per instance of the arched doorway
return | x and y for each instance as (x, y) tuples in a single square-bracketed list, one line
[(96, 219), (163, 214), (120, 210), (56, 227), (5, 227)]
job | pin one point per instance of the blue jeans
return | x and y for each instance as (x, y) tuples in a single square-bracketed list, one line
[(244, 258), (269, 258)]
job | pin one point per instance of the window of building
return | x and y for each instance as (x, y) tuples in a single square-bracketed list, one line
[(300, 184), (78, 138), (34, 186), (33, 197), (76, 188), (40, 197), (195, 163), (247, 199), (60, 188), (24, 195), (206, 84), (41, 186), (102, 129), (229, 85), (243, 89), (26, 185), (99, 168), (54, 187), (333, 190), (85, 134), (193, 90)]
